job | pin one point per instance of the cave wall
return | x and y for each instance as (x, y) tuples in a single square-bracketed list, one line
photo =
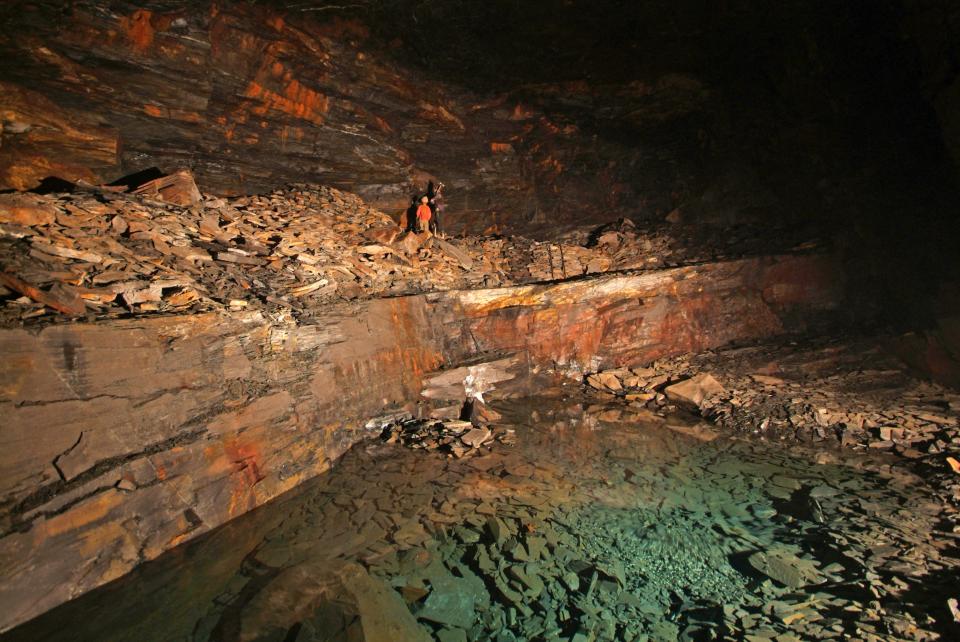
[(125, 438), (933, 28), (538, 116), (232, 91), (251, 96)]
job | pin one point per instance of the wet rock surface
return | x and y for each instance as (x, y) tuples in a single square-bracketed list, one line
[(848, 392), (599, 523)]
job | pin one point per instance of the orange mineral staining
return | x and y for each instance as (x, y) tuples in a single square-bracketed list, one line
[(296, 100)]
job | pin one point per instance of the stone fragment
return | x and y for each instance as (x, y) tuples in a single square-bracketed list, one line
[(700, 431), (954, 607), (451, 602), (60, 298), (410, 243), (528, 577), (785, 568), (346, 599), (451, 635), (413, 593), (383, 235), (572, 581), (23, 209), (695, 390), (498, 530), (178, 188), (481, 413), (476, 437), (457, 426), (453, 251), (767, 380)]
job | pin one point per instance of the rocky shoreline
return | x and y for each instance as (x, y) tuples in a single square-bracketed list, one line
[(847, 392)]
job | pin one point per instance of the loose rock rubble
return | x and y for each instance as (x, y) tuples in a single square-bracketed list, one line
[(101, 252), (847, 392), (452, 436), (110, 254)]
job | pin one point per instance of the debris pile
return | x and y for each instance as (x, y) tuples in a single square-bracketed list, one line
[(851, 392), (109, 254), (165, 248), (455, 437)]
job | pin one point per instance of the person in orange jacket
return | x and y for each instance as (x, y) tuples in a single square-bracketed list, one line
[(423, 214)]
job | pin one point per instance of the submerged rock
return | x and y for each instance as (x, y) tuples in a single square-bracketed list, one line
[(337, 598), (452, 601), (785, 568)]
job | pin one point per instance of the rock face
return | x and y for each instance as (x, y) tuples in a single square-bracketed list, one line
[(122, 439), (250, 97), (255, 95), (732, 114), (935, 29)]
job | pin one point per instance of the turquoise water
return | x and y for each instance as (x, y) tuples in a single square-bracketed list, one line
[(596, 524)]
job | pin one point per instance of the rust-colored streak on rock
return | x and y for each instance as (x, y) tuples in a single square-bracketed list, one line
[(86, 513), (413, 340), (634, 319), (139, 29), (246, 457), (296, 100), (49, 140)]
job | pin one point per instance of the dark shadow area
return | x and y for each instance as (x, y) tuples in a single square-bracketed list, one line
[(54, 185), (135, 180)]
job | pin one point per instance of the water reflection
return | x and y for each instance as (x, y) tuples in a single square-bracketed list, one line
[(598, 524)]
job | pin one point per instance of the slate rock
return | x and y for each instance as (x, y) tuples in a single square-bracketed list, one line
[(694, 391), (340, 594), (452, 602), (476, 437), (785, 568)]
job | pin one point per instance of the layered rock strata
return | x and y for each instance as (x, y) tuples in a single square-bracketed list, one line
[(124, 438)]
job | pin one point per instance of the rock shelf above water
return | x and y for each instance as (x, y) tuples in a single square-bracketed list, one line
[(103, 253), (139, 434)]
